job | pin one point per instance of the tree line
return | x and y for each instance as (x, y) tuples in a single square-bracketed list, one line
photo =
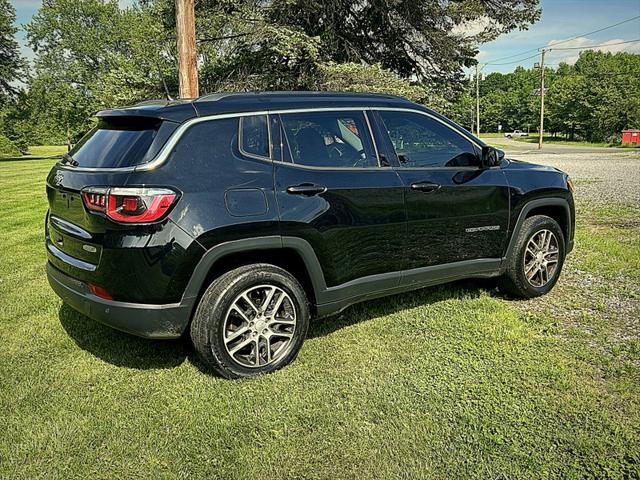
[(92, 54), (593, 100)]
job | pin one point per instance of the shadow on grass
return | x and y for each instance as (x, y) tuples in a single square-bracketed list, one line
[(119, 348), (380, 307), (124, 350)]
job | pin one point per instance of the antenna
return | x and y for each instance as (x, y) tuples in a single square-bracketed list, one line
[(164, 84)]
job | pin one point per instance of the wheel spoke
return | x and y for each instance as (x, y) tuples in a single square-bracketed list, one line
[(282, 335), (241, 345), (278, 303), (530, 266), (256, 347), (236, 334), (250, 302), (268, 299), (533, 273), (267, 348), (281, 321), (237, 309)]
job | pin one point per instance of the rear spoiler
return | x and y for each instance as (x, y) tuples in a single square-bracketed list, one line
[(166, 111)]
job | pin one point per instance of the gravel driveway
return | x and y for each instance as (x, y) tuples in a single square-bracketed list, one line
[(601, 178)]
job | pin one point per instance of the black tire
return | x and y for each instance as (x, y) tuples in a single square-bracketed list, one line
[(208, 325), (514, 280)]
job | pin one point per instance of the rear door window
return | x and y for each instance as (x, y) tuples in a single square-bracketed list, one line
[(116, 142), (329, 139)]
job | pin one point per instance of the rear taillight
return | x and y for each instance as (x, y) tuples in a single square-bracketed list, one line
[(130, 205)]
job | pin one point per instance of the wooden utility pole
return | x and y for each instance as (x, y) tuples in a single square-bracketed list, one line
[(187, 59), (477, 99), (542, 52)]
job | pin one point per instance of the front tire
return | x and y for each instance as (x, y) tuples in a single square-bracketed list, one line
[(250, 320), (536, 260)]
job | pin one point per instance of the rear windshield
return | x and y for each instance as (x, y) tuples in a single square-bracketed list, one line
[(115, 142)]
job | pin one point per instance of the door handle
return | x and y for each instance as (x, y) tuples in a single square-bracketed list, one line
[(307, 189), (426, 187)]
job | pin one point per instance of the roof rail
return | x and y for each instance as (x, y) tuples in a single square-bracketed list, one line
[(214, 97)]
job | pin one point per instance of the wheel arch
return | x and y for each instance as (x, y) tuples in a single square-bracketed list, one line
[(555, 207), (290, 253)]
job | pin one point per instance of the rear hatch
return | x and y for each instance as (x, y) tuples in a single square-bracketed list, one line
[(104, 157)]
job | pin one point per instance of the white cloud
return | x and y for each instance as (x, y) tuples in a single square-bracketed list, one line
[(472, 28), (571, 56)]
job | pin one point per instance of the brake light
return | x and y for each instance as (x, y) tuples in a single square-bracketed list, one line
[(100, 292), (130, 205), (95, 199)]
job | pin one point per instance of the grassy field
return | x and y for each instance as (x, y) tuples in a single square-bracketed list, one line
[(533, 138), (448, 382), (40, 151)]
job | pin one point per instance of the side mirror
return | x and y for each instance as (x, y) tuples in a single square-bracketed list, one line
[(491, 157)]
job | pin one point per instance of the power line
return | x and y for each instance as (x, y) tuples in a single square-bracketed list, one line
[(564, 41), (595, 46), (514, 61)]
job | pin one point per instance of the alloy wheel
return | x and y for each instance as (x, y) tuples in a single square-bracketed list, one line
[(541, 258), (259, 326)]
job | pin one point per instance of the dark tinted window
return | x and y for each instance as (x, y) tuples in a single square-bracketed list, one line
[(329, 139), (421, 141), (116, 142), (255, 135), (209, 142)]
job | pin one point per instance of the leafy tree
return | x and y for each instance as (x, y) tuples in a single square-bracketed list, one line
[(507, 100), (424, 40), (11, 62), (91, 55)]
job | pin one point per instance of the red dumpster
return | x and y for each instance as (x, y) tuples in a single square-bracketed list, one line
[(631, 136)]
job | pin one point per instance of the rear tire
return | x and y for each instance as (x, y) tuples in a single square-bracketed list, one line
[(536, 260), (250, 320)]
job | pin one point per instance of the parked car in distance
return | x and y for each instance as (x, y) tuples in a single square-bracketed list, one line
[(516, 133), (237, 218)]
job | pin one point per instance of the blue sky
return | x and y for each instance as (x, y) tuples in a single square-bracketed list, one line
[(561, 19)]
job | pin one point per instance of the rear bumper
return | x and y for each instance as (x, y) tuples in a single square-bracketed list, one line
[(143, 320)]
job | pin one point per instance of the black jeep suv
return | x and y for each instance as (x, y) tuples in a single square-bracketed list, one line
[(241, 216)]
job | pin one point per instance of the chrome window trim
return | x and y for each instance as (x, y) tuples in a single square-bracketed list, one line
[(165, 151), (240, 140), (373, 138)]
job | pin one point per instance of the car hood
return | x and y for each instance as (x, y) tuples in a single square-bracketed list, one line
[(522, 165)]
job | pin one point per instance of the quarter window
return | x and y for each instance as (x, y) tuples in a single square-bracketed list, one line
[(255, 135), (421, 141), (329, 139)]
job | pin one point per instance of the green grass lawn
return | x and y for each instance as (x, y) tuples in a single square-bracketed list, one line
[(40, 151), (533, 138), (447, 382)]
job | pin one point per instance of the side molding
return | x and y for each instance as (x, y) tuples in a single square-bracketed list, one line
[(330, 300)]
